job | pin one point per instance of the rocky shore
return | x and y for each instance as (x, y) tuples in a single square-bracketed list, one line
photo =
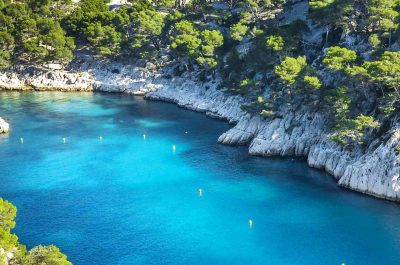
[(374, 171)]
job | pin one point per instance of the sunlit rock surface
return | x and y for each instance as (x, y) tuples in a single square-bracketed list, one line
[(4, 126)]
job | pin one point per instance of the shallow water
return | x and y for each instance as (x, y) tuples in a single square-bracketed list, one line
[(126, 200)]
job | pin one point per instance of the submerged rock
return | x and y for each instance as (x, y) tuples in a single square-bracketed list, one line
[(4, 126)]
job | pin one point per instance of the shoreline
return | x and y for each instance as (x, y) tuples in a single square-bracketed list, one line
[(301, 134)]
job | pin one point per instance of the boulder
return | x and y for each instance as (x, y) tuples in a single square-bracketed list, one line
[(4, 126)]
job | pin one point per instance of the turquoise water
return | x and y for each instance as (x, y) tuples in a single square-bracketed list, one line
[(130, 200)]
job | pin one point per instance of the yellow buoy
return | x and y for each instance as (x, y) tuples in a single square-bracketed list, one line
[(21, 140), (250, 223), (200, 192), (174, 148), (64, 140), (144, 136)]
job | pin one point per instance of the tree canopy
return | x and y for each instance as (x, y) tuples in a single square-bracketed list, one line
[(46, 255)]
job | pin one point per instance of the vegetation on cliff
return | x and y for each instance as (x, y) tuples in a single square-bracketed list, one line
[(12, 252)]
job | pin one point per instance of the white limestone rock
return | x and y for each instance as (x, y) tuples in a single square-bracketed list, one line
[(329, 157), (242, 133), (202, 97), (86, 74), (377, 172), (61, 80), (293, 134), (45, 79), (116, 77), (4, 126), (10, 81)]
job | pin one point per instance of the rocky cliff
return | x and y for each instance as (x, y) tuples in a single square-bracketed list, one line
[(373, 171), (84, 74)]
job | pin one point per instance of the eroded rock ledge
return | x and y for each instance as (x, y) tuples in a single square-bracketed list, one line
[(374, 171)]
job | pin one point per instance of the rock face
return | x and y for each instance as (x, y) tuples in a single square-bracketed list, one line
[(4, 126), (202, 97), (377, 171), (62, 80), (116, 77), (43, 79), (86, 74), (373, 171)]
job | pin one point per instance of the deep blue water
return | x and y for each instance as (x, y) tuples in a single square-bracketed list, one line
[(126, 200)]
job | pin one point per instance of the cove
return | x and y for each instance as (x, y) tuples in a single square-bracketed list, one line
[(129, 200)]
